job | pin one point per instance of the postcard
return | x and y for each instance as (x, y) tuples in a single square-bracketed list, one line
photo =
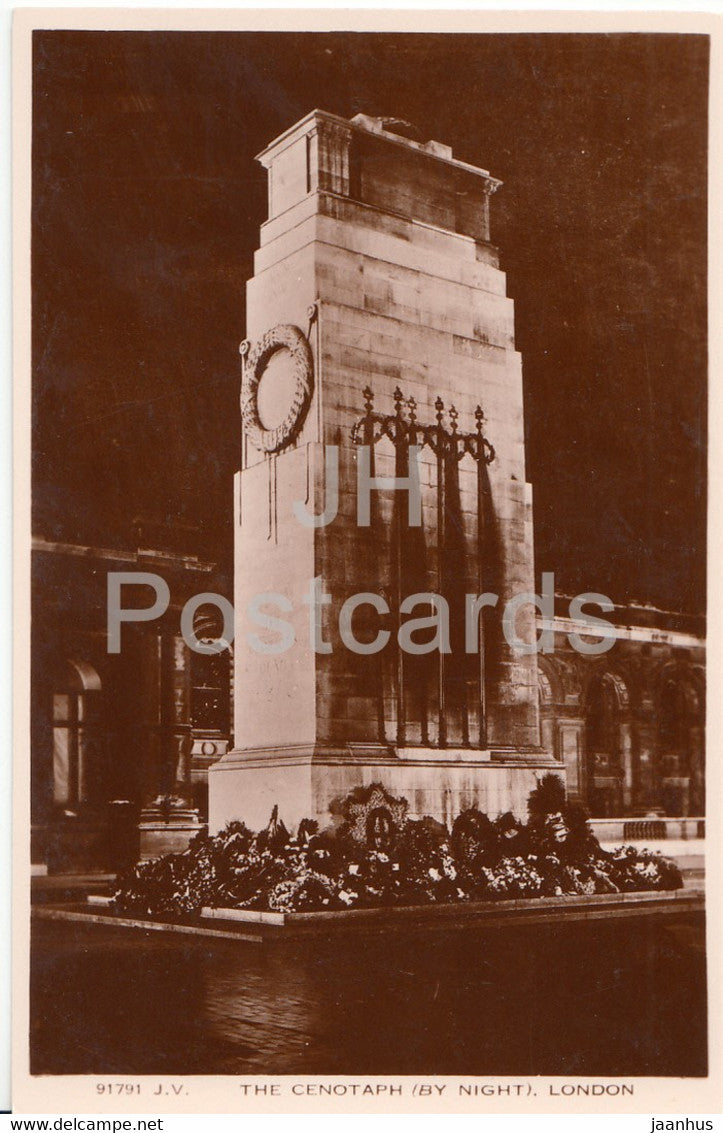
[(362, 485)]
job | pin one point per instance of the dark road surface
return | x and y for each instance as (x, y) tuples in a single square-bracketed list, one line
[(616, 998)]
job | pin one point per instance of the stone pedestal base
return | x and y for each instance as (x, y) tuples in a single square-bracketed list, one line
[(164, 832), (303, 782)]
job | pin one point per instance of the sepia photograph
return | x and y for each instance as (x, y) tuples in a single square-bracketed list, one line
[(367, 713)]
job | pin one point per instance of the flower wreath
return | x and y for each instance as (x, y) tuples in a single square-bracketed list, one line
[(281, 337), (364, 804)]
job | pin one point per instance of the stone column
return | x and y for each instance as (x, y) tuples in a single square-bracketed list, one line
[(626, 759), (374, 270), (571, 751)]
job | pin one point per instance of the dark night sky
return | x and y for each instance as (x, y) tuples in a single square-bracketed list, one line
[(147, 204)]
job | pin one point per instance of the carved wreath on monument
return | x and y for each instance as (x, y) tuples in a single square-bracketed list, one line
[(287, 338)]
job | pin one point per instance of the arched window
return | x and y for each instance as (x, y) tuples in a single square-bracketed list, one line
[(603, 723), (210, 687), (678, 712), (74, 713), (681, 767), (544, 688), (606, 703), (210, 676)]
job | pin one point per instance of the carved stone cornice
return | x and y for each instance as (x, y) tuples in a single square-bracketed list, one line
[(329, 145)]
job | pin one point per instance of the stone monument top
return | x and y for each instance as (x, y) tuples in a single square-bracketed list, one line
[(382, 162), (404, 130)]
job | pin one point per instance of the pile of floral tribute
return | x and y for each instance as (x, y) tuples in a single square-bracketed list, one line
[(372, 854)]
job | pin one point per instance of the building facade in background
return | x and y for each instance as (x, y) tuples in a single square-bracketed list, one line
[(121, 742), (629, 726)]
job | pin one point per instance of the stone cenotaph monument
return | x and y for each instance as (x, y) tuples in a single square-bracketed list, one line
[(382, 490)]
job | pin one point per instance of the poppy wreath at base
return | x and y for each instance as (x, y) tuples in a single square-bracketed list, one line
[(395, 862)]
